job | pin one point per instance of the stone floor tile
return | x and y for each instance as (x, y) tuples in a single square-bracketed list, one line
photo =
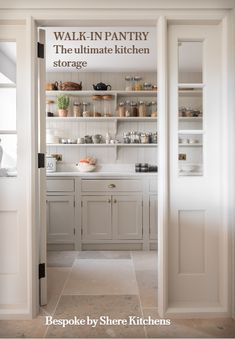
[(113, 306), (104, 255), (101, 277), (61, 258)]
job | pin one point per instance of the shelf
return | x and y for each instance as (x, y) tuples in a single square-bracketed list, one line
[(102, 145), (191, 145), (190, 131), (190, 119), (190, 174), (192, 85), (190, 93), (114, 119), (92, 92)]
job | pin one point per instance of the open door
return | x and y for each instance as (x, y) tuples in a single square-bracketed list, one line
[(196, 235), (15, 173), (42, 170)]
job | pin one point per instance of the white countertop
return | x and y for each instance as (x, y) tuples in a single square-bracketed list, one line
[(105, 170)]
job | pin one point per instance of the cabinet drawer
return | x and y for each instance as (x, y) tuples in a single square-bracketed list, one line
[(111, 185), (153, 185), (60, 185)]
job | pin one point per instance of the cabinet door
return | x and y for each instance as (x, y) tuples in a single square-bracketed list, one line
[(96, 218), (127, 217), (153, 217), (60, 219)]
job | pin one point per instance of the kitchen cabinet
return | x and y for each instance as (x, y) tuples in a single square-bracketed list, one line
[(116, 217), (112, 209), (153, 207), (60, 219), (127, 216), (96, 218)]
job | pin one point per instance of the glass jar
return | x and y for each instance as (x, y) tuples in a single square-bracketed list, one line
[(107, 108), (121, 109), (142, 109), (85, 109), (137, 83), (49, 104), (128, 83), (153, 109), (128, 109), (134, 109), (77, 109)]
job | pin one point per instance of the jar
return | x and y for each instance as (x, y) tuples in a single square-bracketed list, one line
[(85, 111), (153, 109), (128, 109), (137, 84), (142, 109), (153, 138), (129, 83), (121, 109), (144, 138), (147, 86), (49, 108), (134, 109), (107, 108), (77, 109)]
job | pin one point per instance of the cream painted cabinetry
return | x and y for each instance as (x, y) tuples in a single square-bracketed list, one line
[(112, 217), (112, 209), (96, 217), (61, 212), (60, 219), (102, 212)]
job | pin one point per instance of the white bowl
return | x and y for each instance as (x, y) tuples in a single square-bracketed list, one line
[(83, 167), (188, 168)]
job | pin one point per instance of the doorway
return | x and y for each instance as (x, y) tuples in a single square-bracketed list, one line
[(110, 214)]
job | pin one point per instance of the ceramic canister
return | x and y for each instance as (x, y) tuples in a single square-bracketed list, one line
[(50, 164)]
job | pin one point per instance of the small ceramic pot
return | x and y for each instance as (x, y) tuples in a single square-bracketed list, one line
[(63, 113)]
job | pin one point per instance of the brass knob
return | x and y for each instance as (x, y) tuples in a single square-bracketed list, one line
[(109, 201), (111, 186), (115, 201)]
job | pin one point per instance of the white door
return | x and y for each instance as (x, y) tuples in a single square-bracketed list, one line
[(153, 229), (127, 216), (96, 218), (15, 174), (60, 219), (195, 271)]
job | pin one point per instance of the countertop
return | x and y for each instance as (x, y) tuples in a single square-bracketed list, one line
[(100, 174), (101, 171)]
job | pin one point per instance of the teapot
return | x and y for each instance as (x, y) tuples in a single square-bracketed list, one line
[(101, 87)]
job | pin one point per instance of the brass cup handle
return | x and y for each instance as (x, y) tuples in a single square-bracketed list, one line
[(115, 201), (109, 201), (111, 186)]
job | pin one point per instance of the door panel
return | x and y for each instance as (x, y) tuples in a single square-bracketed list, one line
[(195, 209), (96, 218), (127, 217), (153, 215), (15, 174)]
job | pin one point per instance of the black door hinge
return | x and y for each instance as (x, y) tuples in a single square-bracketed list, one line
[(40, 50), (41, 270), (41, 160)]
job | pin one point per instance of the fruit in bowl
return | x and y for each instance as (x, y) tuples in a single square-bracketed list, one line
[(87, 164)]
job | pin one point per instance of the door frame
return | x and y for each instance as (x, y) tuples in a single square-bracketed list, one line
[(227, 21)]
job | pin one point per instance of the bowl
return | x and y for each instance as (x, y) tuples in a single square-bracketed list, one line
[(188, 168), (83, 167)]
